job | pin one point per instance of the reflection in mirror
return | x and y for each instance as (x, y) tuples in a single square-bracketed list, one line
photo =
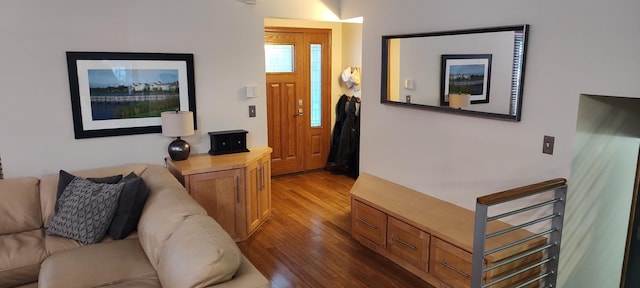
[(483, 67)]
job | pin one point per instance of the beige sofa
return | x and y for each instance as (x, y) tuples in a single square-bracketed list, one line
[(176, 243)]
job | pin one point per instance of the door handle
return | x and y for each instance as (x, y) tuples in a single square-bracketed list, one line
[(261, 178), (300, 112)]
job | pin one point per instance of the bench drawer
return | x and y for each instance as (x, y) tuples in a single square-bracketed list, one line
[(450, 264), (369, 223), (408, 243)]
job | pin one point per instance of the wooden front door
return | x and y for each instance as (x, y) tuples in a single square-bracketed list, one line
[(298, 98)]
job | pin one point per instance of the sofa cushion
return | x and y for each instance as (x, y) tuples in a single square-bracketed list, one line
[(20, 257), (198, 254), (130, 205), (20, 205), (85, 210), (114, 263), (30, 285), (66, 178), (151, 282), (55, 244)]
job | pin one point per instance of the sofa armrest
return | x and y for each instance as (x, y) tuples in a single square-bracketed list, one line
[(246, 276)]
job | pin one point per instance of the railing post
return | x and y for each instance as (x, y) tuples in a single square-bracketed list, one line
[(480, 230), (556, 236)]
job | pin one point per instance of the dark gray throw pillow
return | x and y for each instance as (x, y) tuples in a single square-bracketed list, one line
[(86, 210), (132, 199), (65, 178)]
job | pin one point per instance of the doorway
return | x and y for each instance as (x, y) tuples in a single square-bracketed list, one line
[(298, 81), (604, 173), (631, 264)]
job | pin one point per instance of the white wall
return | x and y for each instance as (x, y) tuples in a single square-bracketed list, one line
[(226, 38), (351, 44), (575, 47), (351, 51)]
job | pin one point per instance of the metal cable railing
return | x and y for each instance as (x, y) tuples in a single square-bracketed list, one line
[(531, 266)]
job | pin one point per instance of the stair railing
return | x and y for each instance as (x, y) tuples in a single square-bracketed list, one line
[(545, 270)]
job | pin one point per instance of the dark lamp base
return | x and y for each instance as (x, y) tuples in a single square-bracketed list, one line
[(179, 150)]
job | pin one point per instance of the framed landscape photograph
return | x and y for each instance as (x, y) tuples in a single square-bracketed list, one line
[(466, 74), (124, 93)]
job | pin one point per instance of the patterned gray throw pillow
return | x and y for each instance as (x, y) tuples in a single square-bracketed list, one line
[(85, 210)]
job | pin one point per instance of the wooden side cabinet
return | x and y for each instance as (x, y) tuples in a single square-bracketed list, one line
[(234, 189)]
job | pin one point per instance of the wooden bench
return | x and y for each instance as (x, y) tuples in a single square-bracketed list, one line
[(429, 237)]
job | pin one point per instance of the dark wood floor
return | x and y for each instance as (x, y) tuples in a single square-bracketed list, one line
[(307, 241)]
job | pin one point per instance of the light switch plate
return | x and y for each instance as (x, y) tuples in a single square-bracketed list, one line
[(252, 110), (547, 145), (250, 91)]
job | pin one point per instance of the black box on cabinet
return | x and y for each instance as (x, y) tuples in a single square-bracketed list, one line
[(227, 142)]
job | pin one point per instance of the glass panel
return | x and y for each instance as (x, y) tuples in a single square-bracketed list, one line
[(279, 58), (316, 85)]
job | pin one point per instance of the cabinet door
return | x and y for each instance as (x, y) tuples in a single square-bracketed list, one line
[(258, 192), (265, 189), (253, 196), (220, 195)]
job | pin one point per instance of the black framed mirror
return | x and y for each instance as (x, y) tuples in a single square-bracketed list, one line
[(476, 72)]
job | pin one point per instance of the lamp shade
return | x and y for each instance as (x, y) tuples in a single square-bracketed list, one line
[(459, 100), (177, 123)]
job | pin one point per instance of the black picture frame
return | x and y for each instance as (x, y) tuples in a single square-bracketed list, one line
[(468, 67), (123, 93)]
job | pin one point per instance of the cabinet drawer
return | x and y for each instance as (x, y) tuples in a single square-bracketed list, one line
[(450, 264), (369, 223), (408, 243)]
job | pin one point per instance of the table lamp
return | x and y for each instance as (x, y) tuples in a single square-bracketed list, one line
[(178, 124), (459, 101)]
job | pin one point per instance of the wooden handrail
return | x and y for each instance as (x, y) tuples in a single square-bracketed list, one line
[(520, 192)]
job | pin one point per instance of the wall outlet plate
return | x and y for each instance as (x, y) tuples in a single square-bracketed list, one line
[(547, 145)]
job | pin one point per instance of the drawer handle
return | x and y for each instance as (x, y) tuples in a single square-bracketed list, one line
[(238, 189), (405, 243), (445, 264), (367, 223)]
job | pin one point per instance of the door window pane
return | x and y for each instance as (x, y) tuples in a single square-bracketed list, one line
[(279, 58), (316, 85)]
